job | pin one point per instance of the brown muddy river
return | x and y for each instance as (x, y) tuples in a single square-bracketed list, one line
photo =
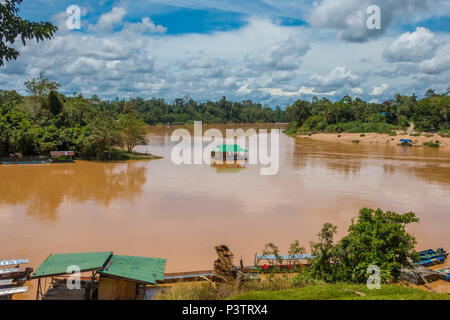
[(158, 209)]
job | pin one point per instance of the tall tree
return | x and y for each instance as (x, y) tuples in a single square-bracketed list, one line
[(133, 131), (53, 104), (323, 252), (12, 27), (41, 86)]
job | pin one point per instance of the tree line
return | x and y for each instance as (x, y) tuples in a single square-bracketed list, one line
[(46, 120), (357, 116)]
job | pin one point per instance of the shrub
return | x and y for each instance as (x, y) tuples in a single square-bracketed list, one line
[(431, 144)]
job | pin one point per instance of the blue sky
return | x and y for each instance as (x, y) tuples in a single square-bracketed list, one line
[(270, 51)]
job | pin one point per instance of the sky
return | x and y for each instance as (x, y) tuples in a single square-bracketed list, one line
[(269, 51)]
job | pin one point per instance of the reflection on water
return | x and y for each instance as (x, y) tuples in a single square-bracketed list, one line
[(158, 209), (43, 188), (224, 167)]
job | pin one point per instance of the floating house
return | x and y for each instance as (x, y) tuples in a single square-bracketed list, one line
[(62, 156), (229, 152), (109, 276)]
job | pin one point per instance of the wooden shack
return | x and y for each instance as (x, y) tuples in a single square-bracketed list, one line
[(62, 156), (112, 277), (126, 277)]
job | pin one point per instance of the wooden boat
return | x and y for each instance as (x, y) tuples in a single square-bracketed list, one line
[(431, 257), (12, 278), (446, 272)]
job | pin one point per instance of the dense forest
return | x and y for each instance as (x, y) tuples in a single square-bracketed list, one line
[(357, 116), (46, 120)]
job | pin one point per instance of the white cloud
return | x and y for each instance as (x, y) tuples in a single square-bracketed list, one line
[(283, 55), (357, 91), (349, 17), (435, 65), (302, 91), (378, 90), (109, 20), (337, 78), (412, 46), (262, 60), (145, 26)]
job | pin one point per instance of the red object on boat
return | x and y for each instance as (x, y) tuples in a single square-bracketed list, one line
[(265, 267)]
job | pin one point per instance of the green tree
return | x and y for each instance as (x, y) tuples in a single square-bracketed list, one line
[(53, 104), (97, 136), (323, 264), (299, 112), (295, 249), (133, 131), (272, 249), (376, 238), (41, 86), (13, 26)]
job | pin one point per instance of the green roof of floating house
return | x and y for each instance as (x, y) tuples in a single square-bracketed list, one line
[(229, 148), (57, 264), (140, 269)]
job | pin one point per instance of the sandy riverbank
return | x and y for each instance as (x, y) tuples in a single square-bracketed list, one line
[(375, 138)]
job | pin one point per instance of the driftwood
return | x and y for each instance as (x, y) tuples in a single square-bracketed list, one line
[(420, 275), (224, 269)]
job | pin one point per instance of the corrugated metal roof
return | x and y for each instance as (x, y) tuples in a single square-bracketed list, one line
[(230, 148), (57, 264), (140, 269)]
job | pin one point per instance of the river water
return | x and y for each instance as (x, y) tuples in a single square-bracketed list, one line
[(180, 212)]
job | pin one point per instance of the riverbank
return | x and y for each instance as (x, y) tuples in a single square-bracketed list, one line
[(123, 155), (376, 138)]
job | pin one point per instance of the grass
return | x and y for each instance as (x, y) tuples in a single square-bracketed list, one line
[(343, 292), (114, 154), (209, 291)]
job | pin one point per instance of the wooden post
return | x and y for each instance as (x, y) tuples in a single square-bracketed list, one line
[(38, 289), (91, 294)]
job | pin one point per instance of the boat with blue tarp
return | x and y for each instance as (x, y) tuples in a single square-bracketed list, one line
[(431, 257)]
